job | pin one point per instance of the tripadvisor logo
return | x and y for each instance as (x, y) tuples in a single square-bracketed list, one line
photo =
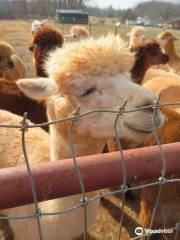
[(139, 231)]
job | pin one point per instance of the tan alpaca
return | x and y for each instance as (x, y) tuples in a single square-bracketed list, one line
[(166, 40), (168, 87), (11, 66), (80, 75), (136, 37), (168, 211), (77, 33), (155, 72)]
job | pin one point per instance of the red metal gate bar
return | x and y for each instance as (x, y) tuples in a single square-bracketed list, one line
[(58, 178)]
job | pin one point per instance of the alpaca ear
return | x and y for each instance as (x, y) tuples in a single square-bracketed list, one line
[(38, 88), (44, 21)]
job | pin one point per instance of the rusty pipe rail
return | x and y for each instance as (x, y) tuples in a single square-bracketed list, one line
[(59, 179)]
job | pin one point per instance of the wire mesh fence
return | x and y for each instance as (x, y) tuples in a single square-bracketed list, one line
[(24, 126)]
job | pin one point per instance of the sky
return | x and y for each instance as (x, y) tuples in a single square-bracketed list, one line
[(123, 4)]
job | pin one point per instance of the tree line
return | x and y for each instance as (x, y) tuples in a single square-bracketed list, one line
[(159, 11), (36, 8)]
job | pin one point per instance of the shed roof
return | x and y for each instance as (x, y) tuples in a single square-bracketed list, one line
[(71, 11)]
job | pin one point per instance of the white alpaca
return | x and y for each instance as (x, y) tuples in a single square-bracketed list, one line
[(90, 74), (36, 24)]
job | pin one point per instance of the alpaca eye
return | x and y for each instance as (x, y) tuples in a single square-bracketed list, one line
[(87, 92)]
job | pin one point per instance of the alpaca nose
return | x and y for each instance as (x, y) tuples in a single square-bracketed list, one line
[(10, 64), (148, 106)]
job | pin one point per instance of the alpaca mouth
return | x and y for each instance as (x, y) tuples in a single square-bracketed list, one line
[(139, 130)]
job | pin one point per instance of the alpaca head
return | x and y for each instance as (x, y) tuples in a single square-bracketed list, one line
[(151, 52), (164, 38), (137, 36), (77, 33), (92, 74), (6, 51), (36, 24), (45, 39), (147, 54)]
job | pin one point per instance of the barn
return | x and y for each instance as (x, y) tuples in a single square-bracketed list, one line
[(176, 24), (72, 16)]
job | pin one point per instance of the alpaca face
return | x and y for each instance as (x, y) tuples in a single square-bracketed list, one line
[(110, 93), (77, 33), (5, 56), (165, 37), (152, 54), (137, 36), (6, 62), (100, 93)]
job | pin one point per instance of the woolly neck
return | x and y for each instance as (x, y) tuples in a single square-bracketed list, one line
[(171, 52), (139, 69)]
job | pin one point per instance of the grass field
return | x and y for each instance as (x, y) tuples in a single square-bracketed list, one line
[(18, 33)]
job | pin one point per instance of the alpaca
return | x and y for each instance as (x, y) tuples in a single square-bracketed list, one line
[(166, 40), (77, 33), (75, 82), (11, 66), (13, 100), (45, 39), (146, 55), (137, 36), (155, 72), (168, 211), (168, 133), (168, 87), (36, 24)]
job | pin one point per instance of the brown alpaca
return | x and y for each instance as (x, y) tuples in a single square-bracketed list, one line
[(44, 40), (80, 75), (13, 100), (166, 40), (147, 54), (11, 66)]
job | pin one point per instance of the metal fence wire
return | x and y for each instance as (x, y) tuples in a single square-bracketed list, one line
[(24, 126)]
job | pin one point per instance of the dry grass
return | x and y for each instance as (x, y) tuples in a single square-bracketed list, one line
[(18, 34)]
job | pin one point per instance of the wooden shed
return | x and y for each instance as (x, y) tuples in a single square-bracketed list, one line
[(72, 16), (176, 24)]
